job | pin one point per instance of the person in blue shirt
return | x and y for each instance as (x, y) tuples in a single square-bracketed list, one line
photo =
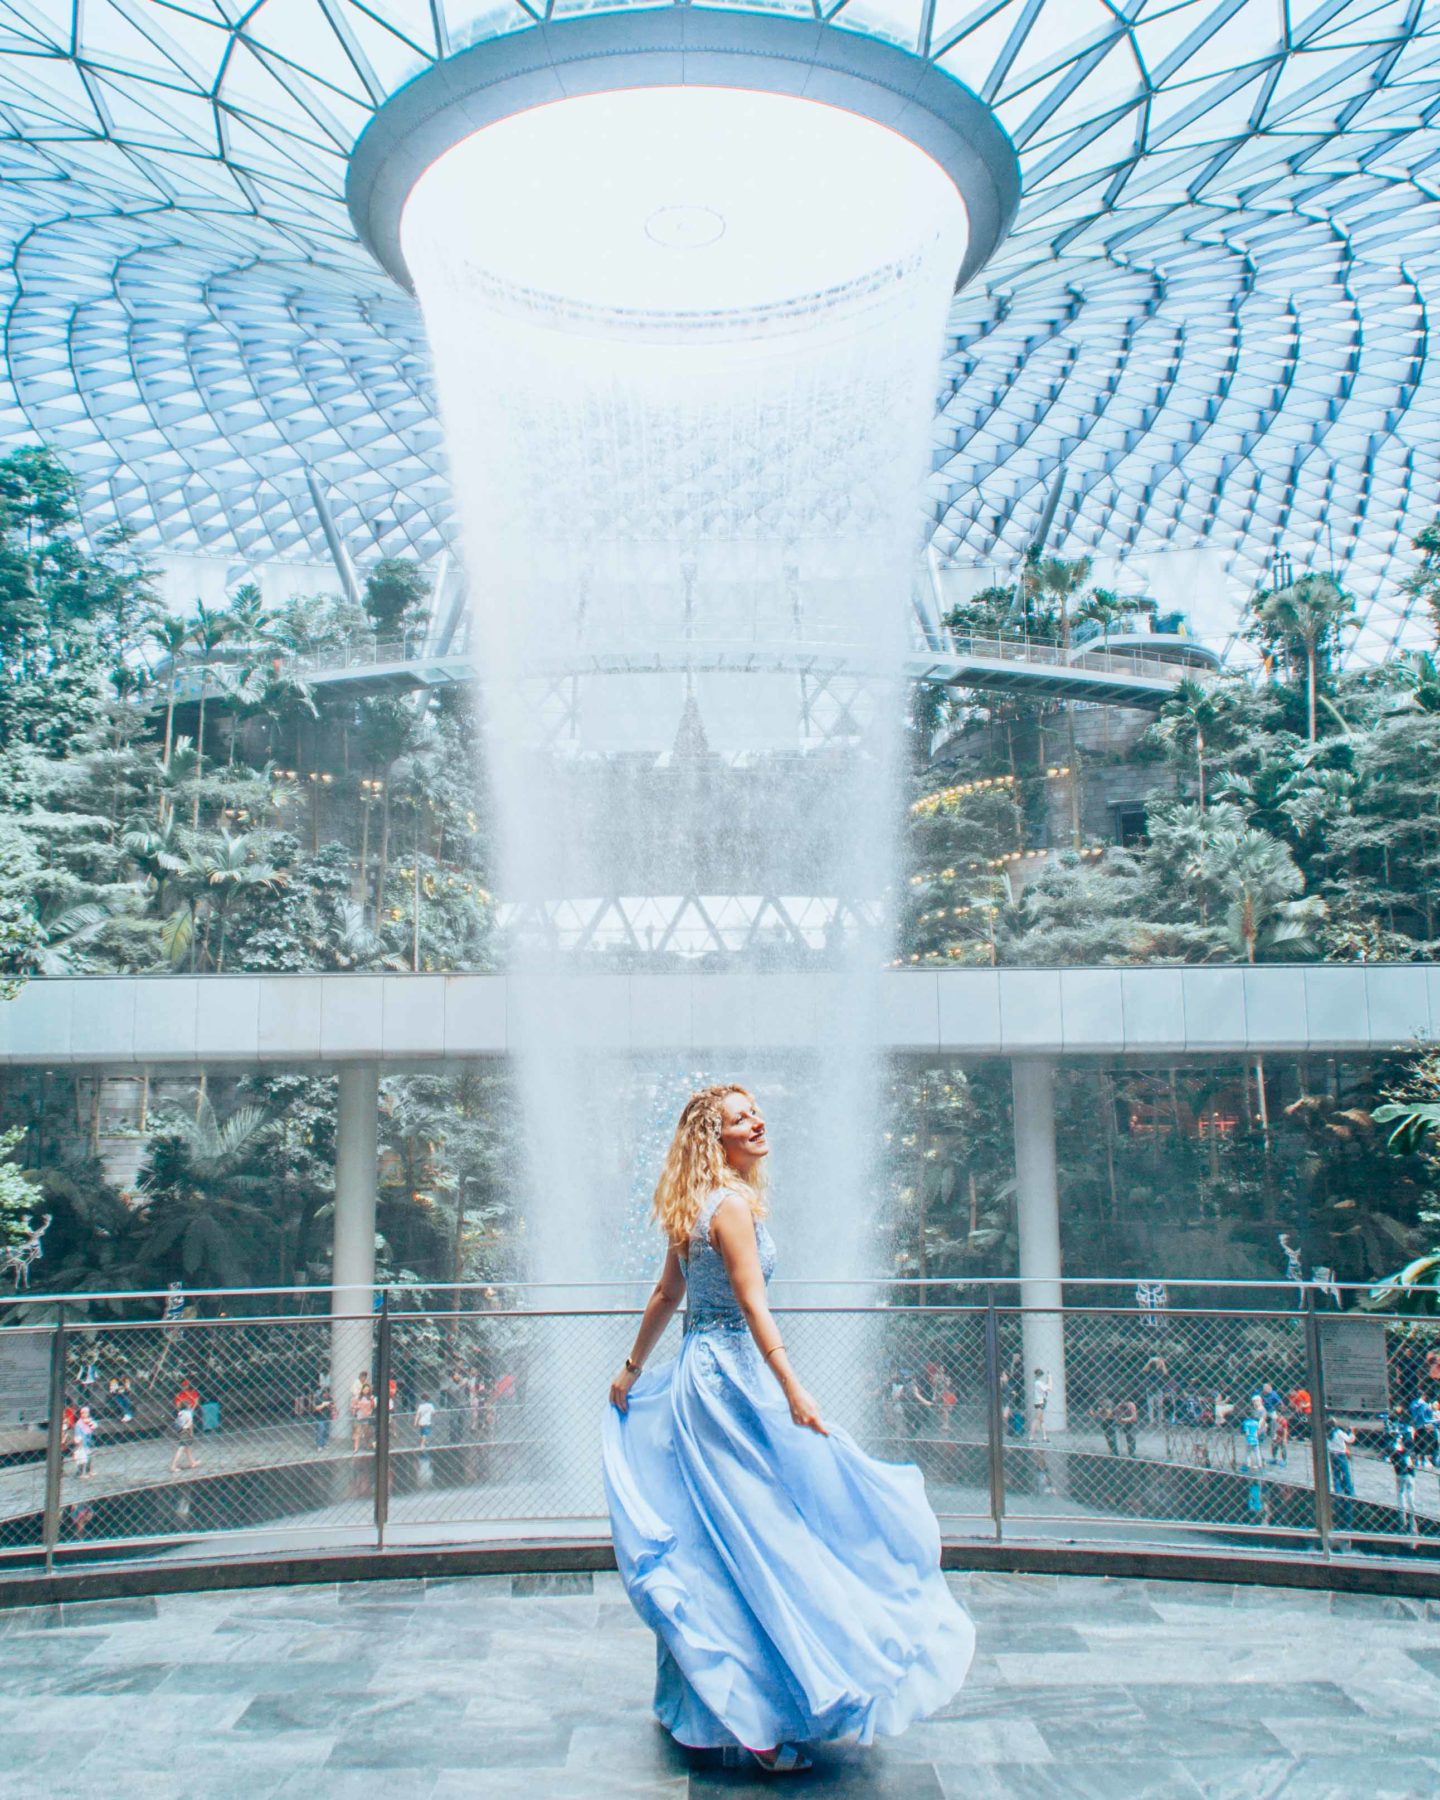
[(1422, 1419), (1251, 1428), (1403, 1461)]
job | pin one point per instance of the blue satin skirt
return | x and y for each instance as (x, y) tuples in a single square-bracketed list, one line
[(793, 1582)]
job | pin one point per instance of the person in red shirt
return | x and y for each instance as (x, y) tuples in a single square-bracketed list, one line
[(1300, 1405), (187, 1394)]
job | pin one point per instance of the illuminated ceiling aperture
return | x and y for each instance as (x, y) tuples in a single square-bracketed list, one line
[(1213, 306)]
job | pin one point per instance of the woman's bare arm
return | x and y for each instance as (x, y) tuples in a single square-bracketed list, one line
[(733, 1233), (665, 1296)]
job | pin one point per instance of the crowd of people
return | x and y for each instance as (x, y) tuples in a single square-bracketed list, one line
[(1206, 1427), (460, 1407), (83, 1418)]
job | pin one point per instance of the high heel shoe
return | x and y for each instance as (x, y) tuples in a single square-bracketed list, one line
[(784, 1759)]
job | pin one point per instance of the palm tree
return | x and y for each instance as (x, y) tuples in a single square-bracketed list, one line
[(280, 696), (1305, 619), (210, 630), (208, 875), (173, 636), (1062, 580), (246, 613), (70, 933), (1193, 710), (1103, 608), (195, 1189), (1259, 879), (232, 866), (179, 774), (159, 855), (1415, 1289)]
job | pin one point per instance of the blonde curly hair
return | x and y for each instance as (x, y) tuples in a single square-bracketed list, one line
[(695, 1165)]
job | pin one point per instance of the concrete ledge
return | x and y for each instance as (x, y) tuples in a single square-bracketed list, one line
[(113, 1581), (296, 1021)]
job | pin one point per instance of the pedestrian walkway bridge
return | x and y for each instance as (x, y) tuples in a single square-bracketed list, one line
[(1137, 677)]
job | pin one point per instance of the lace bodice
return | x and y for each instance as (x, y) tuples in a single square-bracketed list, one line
[(710, 1300)]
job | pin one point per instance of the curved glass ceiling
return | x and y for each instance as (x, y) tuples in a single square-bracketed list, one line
[(1213, 309)]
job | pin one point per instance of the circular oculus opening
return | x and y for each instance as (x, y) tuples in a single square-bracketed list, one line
[(770, 198)]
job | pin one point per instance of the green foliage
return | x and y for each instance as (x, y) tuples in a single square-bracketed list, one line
[(20, 1198), (1413, 1125), (1301, 625), (395, 596), (274, 825), (984, 614)]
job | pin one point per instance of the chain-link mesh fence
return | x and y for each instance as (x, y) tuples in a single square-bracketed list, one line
[(1186, 1425), (1121, 1415), (195, 1428)]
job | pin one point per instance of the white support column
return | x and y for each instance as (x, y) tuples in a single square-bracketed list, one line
[(1038, 1207), (357, 1122)]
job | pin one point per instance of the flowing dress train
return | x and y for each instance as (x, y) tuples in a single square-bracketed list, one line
[(793, 1582)]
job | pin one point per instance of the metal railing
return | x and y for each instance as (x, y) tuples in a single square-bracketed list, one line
[(474, 1413), (194, 677), (1047, 653), (366, 652)]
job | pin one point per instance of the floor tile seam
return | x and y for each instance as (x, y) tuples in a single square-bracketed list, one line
[(1176, 1750)]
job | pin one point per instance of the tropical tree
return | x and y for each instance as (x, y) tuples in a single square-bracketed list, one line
[(1063, 580), (985, 614), (1193, 712), (1304, 621), (1261, 885), (389, 729), (209, 629), (234, 864), (1104, 608), (1424, 677), (172, 636), (203, 1205), (396, 590)]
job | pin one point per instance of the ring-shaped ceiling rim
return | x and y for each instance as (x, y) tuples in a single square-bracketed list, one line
[(680, 47)]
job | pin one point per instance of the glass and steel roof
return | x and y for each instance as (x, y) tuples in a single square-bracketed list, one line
[(1213, 309)]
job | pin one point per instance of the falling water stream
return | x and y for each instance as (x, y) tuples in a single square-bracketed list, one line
[(686, 344)]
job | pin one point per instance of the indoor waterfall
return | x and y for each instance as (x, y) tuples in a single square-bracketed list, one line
[(686, 343)]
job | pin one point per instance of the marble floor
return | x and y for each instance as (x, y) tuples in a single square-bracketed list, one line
[(536, 1687)]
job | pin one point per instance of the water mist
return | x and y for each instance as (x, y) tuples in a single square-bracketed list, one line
[(686, 343)]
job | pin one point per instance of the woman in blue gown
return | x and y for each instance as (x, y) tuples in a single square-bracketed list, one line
[(793, 1583)]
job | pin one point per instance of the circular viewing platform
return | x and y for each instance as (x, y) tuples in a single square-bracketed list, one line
[(540, 1684)]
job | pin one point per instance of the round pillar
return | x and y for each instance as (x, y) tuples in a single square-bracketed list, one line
[(357, 1121), (1038, 1206)]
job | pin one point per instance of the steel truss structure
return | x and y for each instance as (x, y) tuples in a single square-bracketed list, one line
[(1213, 312)]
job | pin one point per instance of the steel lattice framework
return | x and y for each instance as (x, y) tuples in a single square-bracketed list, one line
[(1213, 310)]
